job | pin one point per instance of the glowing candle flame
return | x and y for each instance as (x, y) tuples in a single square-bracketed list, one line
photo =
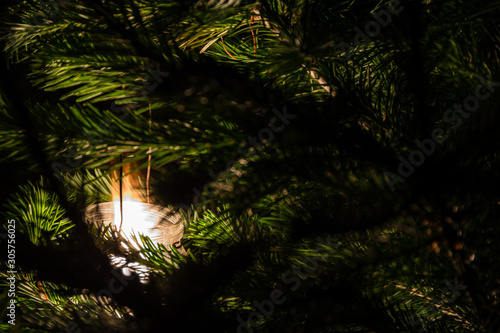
[(160, 224), (136, 217)]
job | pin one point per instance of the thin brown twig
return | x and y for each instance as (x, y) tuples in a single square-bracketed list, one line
[(226, 49), (253, 37), (148, 174), (43, 291), (121, 192)]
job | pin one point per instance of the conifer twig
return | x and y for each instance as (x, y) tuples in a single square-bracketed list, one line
[(226, 49)]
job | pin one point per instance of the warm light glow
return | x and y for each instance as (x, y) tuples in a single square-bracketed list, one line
[(135, 214), (135, 218), (158, 223)]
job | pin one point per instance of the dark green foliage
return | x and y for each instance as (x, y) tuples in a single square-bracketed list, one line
[(274, 142)]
